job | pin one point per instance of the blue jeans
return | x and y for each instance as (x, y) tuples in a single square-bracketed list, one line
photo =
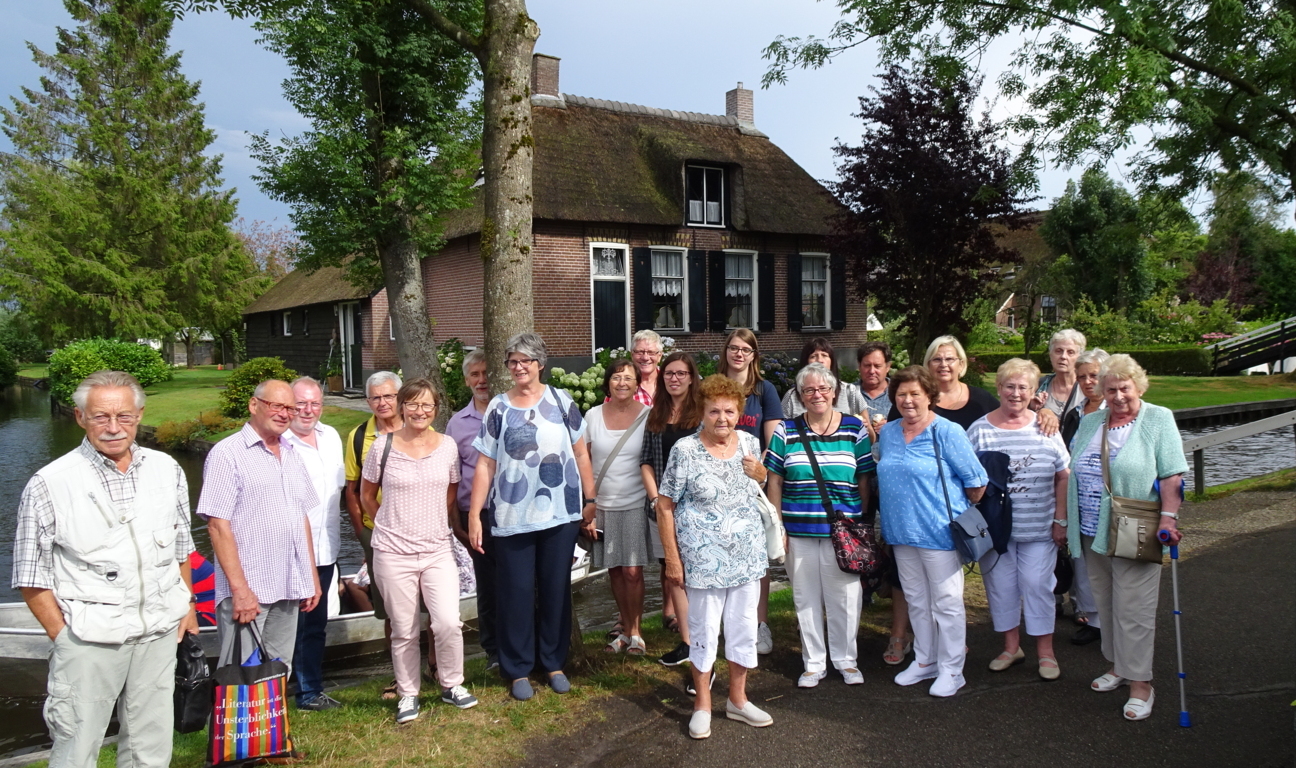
[(308, 658)]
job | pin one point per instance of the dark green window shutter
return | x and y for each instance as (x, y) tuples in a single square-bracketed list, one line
[(837, 290), (795, 318), (765, 287), (697, 293), (641, 259), (716, 278)]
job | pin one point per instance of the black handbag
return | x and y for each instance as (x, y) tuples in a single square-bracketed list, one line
[(852, 539), (1064, 572), (193, 686)]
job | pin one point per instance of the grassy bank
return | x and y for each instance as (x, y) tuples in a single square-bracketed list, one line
[(363, 732), (1176, 392), (1282, 480)]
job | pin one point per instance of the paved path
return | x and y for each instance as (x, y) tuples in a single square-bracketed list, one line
[(354, 403), (1237, 599)]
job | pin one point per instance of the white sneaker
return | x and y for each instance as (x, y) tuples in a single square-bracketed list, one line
[(853, 676), (407, 709), (700, 725), (916, 674), (947, 685), (810, 679), (748, 713), (764, 639)]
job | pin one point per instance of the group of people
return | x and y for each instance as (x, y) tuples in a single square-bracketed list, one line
[(671, 467)]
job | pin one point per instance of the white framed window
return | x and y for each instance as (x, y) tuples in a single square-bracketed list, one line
[(670, 289), (1048, 309), (610, 295), (391, 329), (814, 290), (287, 323), (704, 195), (740, 289)]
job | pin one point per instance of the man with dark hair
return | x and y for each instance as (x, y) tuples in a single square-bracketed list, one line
[(874, 359)]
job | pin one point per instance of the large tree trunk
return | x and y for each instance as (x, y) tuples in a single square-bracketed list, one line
[(507, 156)]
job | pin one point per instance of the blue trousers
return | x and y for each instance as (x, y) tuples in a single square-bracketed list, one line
[(484, 569), (308, 658), (533, 599)]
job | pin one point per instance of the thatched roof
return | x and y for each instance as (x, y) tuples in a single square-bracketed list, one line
[(1027, 240), (300, 288), (600, 161)]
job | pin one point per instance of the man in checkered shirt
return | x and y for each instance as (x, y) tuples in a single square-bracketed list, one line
[(256, 495), (102, 559)]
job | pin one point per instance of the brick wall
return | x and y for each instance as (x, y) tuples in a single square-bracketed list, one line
[(378, 350), (452, 282)]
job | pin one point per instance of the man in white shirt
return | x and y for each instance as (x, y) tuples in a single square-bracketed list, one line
[(320, 448)]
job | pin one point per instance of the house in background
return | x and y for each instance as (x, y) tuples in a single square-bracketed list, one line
[(688, 224), (311, 318), (1018, 304)]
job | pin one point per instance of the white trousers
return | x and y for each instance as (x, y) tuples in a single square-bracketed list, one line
[(820, 590), (933, 585), (1082, 589), (87, 680), (736, 608), (1022, 580)]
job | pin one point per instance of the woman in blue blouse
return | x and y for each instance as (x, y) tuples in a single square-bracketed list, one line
[(916, 513)]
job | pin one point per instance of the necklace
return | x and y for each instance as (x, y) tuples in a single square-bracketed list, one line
[(828, 428)]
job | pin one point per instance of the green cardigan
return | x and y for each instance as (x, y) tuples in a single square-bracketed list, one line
[(1154, 450)]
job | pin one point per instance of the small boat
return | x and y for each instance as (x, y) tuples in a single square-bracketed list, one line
[(349, 634)]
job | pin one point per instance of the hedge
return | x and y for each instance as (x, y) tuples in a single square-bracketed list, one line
[(1162, 361), (244, 380), (69, 365)]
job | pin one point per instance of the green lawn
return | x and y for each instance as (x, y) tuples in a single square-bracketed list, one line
[(189, 393), (1176, 392), (33, 371)]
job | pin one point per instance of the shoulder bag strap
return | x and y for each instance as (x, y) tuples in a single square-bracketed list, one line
[(1106, 470), (598, 482), (949, 509), (382, 465), (802, 428), (357, 442)]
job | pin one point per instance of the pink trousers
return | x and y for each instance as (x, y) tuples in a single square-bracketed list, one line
[(401, 578)]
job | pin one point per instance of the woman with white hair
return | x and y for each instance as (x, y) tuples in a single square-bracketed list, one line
[(1021, 579), (842, 461), (535, 479), (1057, 392), (1087, 366), (1145, 461)]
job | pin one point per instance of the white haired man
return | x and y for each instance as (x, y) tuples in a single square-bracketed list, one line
[(102, 559)]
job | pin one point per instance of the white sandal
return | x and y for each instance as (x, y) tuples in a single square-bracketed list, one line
[(617, 644), (1138, 709), (1108, 682)]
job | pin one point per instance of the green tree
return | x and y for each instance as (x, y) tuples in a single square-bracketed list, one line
[(1247, 259), (390, 149), (924, 191), (1097, 225), (1215, 81), (113, 220)]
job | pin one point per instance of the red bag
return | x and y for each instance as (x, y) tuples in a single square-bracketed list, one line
[(249, 716), (853, 542)]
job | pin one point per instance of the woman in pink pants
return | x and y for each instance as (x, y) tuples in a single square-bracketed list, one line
[(417, 469)]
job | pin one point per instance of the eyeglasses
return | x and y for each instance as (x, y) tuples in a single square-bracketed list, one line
[(124, 419), (424, 407), (744, 351), (278, 408), (382, 399), (646, 353), (676, 374), (950, 361), (306, 405), (520, 362), (817, 390)]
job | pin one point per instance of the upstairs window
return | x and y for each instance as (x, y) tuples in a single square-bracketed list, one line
[(740, 288), (704, 196), (287, 323), (814, 291), (668, 290)]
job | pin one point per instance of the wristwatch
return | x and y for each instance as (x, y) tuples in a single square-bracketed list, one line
[(589, 501), (1057, 521), (193, 599)]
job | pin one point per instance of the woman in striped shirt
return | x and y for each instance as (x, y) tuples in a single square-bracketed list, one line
[(820, 590), (1021, 580)]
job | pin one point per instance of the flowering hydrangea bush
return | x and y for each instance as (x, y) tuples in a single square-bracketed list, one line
[(584, 388)]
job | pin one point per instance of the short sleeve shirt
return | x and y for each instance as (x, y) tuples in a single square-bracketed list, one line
[(1033, 462), (413, 517), (914, 509), (762, 405), (842, 456), (717, 524), (537, 484)]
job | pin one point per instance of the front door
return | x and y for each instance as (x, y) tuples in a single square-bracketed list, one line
[(611, 298), (349, 336)]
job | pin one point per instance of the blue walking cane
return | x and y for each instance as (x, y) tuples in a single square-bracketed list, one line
[(1184, 720)]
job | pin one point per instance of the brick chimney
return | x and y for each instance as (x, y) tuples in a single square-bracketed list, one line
[(738, 103), (544, 75)]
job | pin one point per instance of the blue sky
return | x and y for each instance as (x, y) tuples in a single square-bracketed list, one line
[(675, 54)]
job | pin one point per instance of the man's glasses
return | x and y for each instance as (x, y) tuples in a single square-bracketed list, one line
[(382, 399), (124, 419), (278, 408), (307, 405)]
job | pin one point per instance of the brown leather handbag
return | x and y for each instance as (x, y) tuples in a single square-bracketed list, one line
[(1134, 522)]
